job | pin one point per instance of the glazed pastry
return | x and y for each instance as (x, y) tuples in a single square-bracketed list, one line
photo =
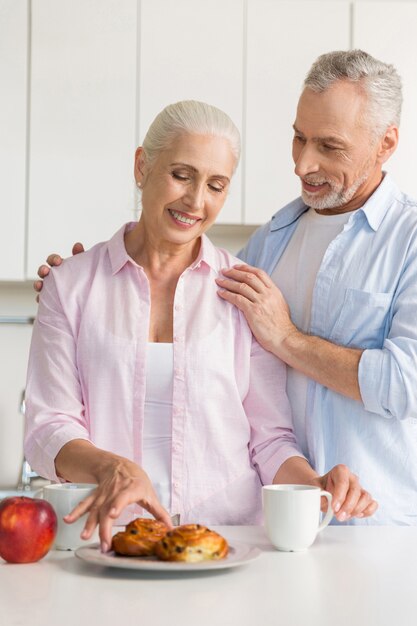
[(191, 543), (139, 538)]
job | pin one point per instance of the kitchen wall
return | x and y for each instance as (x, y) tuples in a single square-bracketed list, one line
[(18, 299), (15, 300)]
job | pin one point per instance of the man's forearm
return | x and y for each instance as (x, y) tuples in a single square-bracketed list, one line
[(333, 366)]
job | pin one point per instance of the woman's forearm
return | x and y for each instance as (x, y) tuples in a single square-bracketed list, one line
[(80, 461), (295, 470), (120, 482)]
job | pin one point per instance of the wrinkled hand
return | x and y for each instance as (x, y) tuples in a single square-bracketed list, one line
[(120, 485), (52, 260), (262, 303), (349, 499)]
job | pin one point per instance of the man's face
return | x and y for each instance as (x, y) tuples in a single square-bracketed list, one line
[(334, 153)]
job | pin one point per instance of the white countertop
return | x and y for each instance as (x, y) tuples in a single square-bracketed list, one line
[(351, 576)]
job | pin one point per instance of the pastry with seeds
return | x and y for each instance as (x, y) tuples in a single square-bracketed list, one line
[(139, 538), (191, 543)]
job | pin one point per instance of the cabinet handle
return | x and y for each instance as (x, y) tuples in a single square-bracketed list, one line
[(16, 319)]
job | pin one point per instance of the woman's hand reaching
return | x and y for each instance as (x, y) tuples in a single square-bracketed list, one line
[(120, 482)]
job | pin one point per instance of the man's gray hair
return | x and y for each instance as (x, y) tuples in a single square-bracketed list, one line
[(193, 118), (380, 82)]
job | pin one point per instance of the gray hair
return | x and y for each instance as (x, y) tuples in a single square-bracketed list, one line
[(193, 118), (379, 81)]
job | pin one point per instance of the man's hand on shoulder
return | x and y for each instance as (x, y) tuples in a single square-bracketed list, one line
[(266, 311), (53, 260)]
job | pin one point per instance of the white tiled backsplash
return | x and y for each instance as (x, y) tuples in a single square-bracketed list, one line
[(18, 299)]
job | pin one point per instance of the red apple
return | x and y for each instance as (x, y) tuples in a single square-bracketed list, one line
[(27, 529)]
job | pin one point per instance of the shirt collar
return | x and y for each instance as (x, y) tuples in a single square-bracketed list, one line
[(374, 208), (207, 254), (119, 256), (288, 214), (378, 204), (117, 249)]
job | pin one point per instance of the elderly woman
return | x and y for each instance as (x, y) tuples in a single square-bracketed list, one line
[(142, 380)]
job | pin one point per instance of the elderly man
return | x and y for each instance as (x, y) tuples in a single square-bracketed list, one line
[(344, 258)]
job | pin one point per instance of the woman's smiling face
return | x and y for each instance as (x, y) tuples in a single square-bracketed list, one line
[(185, 187)]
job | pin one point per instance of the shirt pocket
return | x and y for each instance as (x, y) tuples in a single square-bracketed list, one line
[(363, 320)]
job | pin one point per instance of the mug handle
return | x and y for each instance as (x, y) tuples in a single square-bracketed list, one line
[(327, 518)]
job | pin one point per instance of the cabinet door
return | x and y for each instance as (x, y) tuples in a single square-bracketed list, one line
[(387, 30), (284, 38), (191, 50), (13, 102), (82, 121)]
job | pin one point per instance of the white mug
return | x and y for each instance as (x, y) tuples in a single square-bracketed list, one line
[(292, 515), (64, 498)]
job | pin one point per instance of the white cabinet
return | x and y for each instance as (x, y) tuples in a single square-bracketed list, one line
[(389, 33), (283, 39), (13, 112), (101, 70), (192, 50), (82, 123)]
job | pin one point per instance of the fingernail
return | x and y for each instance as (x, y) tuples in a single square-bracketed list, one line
[(359, 515), (84, 534), (342, 517), (104, 546), (113, 511), (337, 506)]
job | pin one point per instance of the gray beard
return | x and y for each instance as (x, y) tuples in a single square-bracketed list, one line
[(335, 198)]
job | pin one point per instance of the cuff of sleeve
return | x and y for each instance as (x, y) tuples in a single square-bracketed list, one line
[(270, 467), (41, 456), (370, 378)]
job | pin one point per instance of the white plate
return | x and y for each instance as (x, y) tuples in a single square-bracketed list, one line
[(239, 554)]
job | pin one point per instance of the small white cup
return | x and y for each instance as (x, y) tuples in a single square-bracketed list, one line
[(64, 498), (292, 515)]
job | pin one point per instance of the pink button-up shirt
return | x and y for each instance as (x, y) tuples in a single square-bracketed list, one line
[(231, 421)]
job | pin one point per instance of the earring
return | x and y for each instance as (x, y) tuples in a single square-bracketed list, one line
[(139, 185)]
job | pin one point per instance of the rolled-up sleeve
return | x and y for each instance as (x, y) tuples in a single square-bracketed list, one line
[(387, 376), (272, 438), (55, 412)]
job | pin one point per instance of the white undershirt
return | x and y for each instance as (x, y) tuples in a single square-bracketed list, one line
[(295, 274), (157, 427)]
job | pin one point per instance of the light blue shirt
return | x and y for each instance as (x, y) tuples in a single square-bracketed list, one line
[(365, 296)]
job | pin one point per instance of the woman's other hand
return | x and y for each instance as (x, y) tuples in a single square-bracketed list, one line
[(52, 261), (349, 498)]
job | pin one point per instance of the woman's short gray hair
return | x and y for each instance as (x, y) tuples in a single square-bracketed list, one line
[(380, 82), (193, 118)]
